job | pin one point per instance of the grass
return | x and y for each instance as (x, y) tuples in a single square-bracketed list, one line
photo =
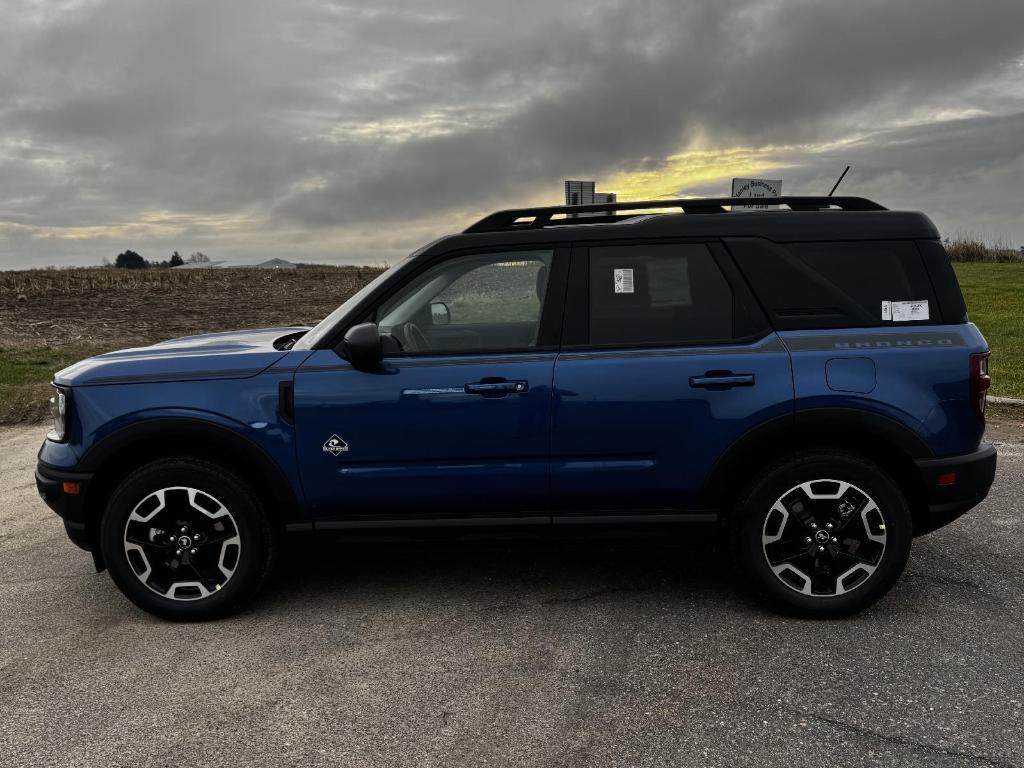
[(995, 303), (20, 366), (25, 375), (968, 248)]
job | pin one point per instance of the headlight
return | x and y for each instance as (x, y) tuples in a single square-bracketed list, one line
[(59, 412)]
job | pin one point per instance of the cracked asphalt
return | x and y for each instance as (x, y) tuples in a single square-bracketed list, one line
[(617, 652)]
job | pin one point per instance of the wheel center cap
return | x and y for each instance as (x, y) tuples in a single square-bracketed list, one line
[(184, 542), (821, 536)]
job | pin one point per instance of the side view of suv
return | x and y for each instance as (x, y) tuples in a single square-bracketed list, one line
[(805, 376)]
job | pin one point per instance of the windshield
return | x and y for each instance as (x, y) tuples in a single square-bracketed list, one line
[(310, 340)]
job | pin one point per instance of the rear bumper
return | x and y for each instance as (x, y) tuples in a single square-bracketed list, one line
[(50, 483), (953, 485)]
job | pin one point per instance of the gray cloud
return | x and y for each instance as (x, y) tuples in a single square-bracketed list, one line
[(963, 173), (312, 127)]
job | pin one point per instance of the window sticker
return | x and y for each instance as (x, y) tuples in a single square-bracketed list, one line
[(624, 281), (887, 310), (669, 281), (909, 311)]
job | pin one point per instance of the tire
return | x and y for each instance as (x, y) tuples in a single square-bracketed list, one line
[(187, 540), (785, 550)]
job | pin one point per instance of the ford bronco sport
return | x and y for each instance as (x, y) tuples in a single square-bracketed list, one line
[(805, 376)]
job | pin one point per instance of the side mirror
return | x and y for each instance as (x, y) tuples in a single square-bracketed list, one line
[(439, 313), (362, 347)]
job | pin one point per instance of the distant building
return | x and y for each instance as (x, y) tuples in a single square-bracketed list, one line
[(198, 265), (256, 264), (584, 193)]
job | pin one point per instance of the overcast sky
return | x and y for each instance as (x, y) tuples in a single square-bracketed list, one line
[(353, 132)]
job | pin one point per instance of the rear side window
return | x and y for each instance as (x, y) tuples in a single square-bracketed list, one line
[(947, 288), (839, 284), (658, 294)]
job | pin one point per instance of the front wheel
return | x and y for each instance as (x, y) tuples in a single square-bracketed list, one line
[(822, 535), (186, 540)]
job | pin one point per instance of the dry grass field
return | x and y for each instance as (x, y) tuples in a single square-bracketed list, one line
[(51, 318), (128, 307), (966, 248)]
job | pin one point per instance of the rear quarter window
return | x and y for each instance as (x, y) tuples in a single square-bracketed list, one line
[(947, 288), (837, 284)]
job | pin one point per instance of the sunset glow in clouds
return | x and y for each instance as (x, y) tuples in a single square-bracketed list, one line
[(349, 132)]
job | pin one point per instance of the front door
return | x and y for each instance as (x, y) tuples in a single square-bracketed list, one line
[(456, 422), (666, 361)]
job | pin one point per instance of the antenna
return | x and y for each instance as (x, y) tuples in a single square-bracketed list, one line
[(840, 181)]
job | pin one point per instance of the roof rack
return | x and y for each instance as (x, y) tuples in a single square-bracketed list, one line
[(538, 218)]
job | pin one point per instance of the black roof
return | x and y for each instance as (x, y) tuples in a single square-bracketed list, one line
[(805, 219)]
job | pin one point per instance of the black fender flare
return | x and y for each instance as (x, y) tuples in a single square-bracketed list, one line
[(881, 437), (131, 446)]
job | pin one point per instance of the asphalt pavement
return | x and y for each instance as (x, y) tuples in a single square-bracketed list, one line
[(585, 652)]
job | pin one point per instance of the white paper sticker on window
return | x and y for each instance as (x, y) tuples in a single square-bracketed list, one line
[(668, 281), (624, 281), (909, 311), (887, 310)]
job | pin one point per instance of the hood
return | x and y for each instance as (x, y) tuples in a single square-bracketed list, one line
[(229, 355)]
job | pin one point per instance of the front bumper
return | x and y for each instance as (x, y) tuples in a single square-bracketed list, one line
[(953, 485), (64, 493)]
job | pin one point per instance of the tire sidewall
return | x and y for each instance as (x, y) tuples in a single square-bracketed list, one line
[(754, 508), (229, 491)]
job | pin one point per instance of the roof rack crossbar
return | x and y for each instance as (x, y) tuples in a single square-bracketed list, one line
[(609, 213)]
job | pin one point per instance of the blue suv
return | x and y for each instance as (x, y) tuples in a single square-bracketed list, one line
[(805, 377)]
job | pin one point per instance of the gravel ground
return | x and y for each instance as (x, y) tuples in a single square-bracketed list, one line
[(449, 653)]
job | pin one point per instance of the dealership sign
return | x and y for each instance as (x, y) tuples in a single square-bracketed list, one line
[(756, 188)]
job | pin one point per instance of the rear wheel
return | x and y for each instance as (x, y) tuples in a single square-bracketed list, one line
[(822, 534), (186, 540)]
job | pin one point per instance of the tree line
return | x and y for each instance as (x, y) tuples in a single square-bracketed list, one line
[(132, 260)]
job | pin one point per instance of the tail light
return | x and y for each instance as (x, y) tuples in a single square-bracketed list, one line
[(980, 382)]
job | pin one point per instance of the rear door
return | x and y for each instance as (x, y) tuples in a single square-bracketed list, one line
[(666, 361)]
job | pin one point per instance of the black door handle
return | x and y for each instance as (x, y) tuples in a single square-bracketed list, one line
[(491, 388), (718, 380)]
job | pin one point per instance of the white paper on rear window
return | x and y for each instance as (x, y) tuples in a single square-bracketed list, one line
[(669, 282), (909, 311), (623, 281)]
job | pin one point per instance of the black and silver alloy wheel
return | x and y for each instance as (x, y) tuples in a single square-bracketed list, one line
[(824, 537), (182, 543), (187, 539), (821, 534)]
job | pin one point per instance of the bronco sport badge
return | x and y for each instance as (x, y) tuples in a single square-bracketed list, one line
[(335, 445)]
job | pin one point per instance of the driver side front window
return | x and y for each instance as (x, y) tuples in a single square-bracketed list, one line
[(480, 303)]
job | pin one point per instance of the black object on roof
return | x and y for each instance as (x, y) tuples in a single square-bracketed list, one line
[(610, 213)]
